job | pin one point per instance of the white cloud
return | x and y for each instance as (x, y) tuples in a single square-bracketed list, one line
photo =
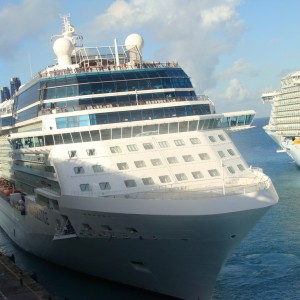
[(239, 66), (194, 32), (22, 21), (236, 91)]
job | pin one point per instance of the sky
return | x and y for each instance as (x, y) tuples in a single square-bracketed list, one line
[(233, 50)]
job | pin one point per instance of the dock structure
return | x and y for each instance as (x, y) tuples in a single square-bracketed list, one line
[(15, 284)]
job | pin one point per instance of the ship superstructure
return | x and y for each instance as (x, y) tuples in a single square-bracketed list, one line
[(113, 166), (284, 123)]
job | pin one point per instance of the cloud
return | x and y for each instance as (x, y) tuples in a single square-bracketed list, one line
[(194, 32), (239, 67), (236, 91), (22, 21)]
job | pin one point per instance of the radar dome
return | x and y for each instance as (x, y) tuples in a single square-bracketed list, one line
[(63, 48), (134, 39)]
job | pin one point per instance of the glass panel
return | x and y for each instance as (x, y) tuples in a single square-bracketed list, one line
[(76, 137), (137, 131), (67, 138), (95, 135), (85, 136), (104, 185), (58, 139), (126, 132), (163, 128), (130, 183), (105, 134), (116, 133), (49, 140)]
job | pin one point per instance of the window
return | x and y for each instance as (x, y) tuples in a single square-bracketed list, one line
[(172, 160), (188, 158), (104, 186), (122, 166), (197, 174), (78, 170), (148, 146), (241, 167), (212, 139), (130, 183), (221, 137), (147, 181), (231, 152), (132, 148), (221, 154), (98, 168), (90, 152), (204, 156), (181, 177), (85, 187), (231, 170), (140, 164), (156, 162), (179, 142), (72, 153), (115, 149), (195, 141), (164, 179), (164, 144), (213, 172)]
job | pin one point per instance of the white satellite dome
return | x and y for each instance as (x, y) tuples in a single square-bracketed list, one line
[(63, 48), (134, 43), (134, 39)]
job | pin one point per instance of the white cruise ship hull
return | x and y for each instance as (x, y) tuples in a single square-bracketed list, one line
[(179, 254), (288, 146)]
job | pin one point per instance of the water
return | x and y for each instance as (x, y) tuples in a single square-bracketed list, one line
[(265, 266)]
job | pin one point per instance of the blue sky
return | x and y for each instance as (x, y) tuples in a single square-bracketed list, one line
[(233, 49)]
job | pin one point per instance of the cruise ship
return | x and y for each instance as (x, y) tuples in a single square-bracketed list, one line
[(113, 166), (284, 123)]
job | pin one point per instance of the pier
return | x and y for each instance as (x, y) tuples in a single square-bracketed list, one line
[(16, 284)]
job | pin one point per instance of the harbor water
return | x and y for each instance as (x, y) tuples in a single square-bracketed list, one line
[(265, 266)]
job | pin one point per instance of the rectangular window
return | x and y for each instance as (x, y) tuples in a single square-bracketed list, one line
[(213, 172), (156, 162), (204, 156), (212, 139), (98, 168), (122, 166), (85, 136), (221, 154), (179, 142), (231, 170), (241, 167), (104, 186), (197, 174), (195, 141), (67, 138), (164, 179), (90, 152), (130, 183), (132, 148), (188, 158), (72, 153), (164, 144), (148, 181), (148, 146), (172, 160), (140, 164), (231, 152), (115, 149), (221, 137), (85, 187), (181, 176), (78, 170)]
